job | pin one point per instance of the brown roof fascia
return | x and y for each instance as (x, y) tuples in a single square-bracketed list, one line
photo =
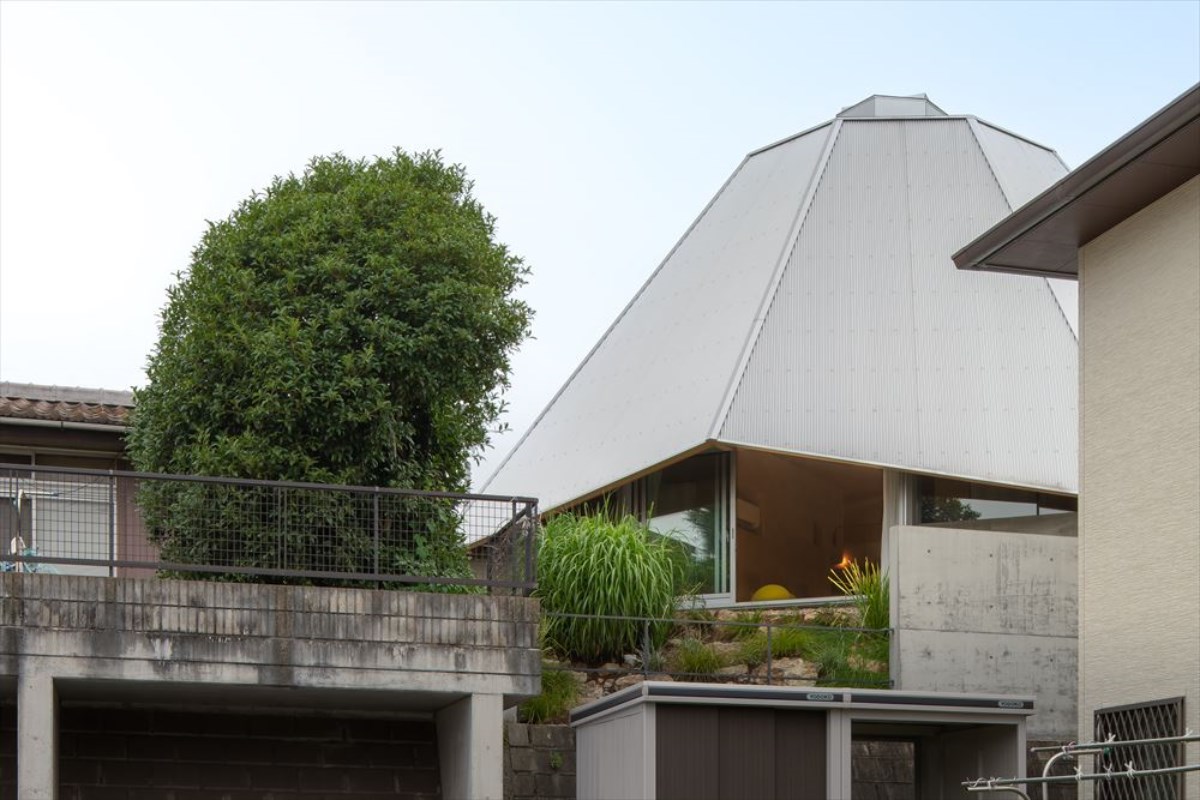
[(1043, 237)]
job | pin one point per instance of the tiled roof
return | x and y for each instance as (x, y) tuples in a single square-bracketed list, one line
[(65, 404)]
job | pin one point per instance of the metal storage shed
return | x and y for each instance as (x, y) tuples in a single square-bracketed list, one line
[(669, 741)]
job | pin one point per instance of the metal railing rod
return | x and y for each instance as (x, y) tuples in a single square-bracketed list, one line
[(1087, 776), (1070, 748), (178, 566), (323, 487)]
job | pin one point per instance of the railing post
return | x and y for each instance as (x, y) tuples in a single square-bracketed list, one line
[(280, 533), (112, 523), (770, 680), (376, 525), (645, 647), (530, 577)]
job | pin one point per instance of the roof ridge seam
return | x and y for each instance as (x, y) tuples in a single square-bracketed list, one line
[(613, 325), (912, 297), (785, 254), (972, 124)]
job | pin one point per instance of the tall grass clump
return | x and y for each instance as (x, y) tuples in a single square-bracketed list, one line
[(601, 566), (867, 588), (560, 693), (693, 660)]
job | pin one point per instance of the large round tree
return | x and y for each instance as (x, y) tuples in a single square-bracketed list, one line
[(352, 324)]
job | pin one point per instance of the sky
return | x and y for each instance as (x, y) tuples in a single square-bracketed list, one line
[(594, 132)]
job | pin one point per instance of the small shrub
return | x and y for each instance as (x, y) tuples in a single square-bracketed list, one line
[(839, 656), (748, 624), (560, 693), (785, 643), (695, 660), (868, 588), (601, 567)]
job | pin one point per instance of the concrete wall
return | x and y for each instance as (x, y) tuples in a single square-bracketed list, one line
[(986, 611), (1140, 462), (457, 659), (259, 635)]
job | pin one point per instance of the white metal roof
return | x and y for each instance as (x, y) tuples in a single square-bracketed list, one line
[(813, 308)]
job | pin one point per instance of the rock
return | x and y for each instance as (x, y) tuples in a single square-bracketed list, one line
[(589, 691), (794, 671), (632, 660), (611, 669), (858, 662), (727, 651), (626, 681), (736, 669)]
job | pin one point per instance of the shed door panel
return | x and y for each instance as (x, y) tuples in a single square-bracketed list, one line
[(731, 753), (686, 753), (800, 761)]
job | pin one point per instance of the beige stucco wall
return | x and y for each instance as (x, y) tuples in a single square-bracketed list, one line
[(1139, 537)]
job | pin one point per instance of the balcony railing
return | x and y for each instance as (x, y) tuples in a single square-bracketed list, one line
[(102, 522)]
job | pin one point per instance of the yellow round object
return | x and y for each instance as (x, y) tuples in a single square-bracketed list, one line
[(772, 591)]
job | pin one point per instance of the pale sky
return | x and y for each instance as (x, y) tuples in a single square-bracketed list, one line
[(595, 132)]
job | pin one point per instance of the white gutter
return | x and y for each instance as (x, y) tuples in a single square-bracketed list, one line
[(74, 426)]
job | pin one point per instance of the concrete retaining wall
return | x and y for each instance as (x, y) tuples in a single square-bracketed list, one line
[(260, 635), (987, 612)]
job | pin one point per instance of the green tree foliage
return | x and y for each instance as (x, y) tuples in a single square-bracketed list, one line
[(946, 509), (352, 324)]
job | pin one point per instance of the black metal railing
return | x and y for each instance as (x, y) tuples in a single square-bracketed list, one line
[(108, 522)]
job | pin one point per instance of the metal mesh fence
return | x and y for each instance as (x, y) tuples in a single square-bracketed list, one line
[(1154, 720), (91, 522)]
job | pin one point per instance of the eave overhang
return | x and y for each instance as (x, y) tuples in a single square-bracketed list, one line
[(1043, 237)]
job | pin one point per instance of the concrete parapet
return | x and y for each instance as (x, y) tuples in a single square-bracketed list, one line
[(262, 635)]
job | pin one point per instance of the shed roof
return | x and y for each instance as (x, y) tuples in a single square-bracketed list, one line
[(813, 308)]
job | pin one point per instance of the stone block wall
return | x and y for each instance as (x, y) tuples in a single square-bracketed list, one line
[(539, 762), (128, 753), (883, 770)]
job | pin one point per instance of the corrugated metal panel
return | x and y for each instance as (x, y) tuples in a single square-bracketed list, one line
[(617, 739), (652, 386), (1022, 168), (877, 349)]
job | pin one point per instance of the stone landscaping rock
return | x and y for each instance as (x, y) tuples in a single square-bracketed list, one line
[(791, 671), (626, 681)]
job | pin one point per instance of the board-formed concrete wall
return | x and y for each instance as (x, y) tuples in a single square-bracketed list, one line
[(987, 611), (455, 660)]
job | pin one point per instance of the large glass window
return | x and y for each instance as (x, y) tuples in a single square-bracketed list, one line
[(944, 501), (686, 502)]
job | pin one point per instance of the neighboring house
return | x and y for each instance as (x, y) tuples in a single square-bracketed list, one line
[(1127, 225), (66, 427), (807, 369), (56, 426)]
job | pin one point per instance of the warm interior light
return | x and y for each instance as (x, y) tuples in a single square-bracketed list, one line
[(845, 562)]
